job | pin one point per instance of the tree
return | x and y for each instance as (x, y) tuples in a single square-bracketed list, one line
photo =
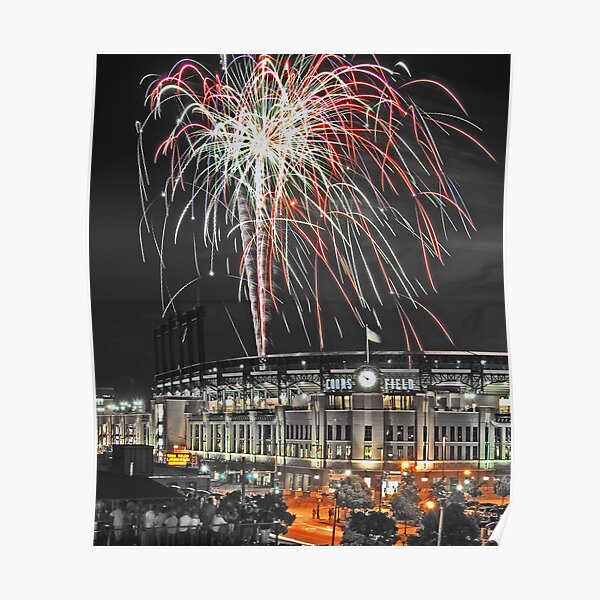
[(456, 497), (502, 487), (272, 509), (354, 493), (439, 489), (458, 529), (405, 502), (474, 488), (408, 488), (370, 528)]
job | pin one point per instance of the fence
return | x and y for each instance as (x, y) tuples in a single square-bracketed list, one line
[(229, 534)]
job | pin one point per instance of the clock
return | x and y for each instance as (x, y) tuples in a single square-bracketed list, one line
[(367, 379)]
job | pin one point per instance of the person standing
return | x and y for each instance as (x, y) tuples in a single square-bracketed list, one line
[(148, 521), (194, 529), (159, 522), (183, 535), (219, 531), (207, 514), (171, 528), (314, 513), (118, 524)]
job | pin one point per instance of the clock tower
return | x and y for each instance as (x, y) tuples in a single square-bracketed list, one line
[(367, 379)]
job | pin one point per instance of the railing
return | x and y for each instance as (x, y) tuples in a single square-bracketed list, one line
[(229, 534), (307, 361)]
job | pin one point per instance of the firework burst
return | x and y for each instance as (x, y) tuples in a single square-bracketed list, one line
[(312, 162)]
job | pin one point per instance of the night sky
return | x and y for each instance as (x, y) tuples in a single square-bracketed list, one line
[(125, 291)]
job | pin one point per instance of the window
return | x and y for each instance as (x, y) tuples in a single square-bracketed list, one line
[(400, 452), (329, 432), (296, 432), (475, 434), (475, 452), (459, 453), (338, 451), (338, 432), (459, 434), (444, 432), (436, 433), (467, 452), (368, 452), (368, 433), (348, 432), (467, 434), (400, 433), (436, 452), (348, 451), (452, 434), (196, 440), (451, 452), (411, 453), (328, 450), (411, 433), (389, 434)]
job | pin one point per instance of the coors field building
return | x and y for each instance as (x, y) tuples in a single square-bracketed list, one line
[(301, 421)]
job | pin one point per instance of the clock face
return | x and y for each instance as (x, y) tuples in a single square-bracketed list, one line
[(367, 378)]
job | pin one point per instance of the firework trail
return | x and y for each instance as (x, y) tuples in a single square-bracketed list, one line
[(309, 160)]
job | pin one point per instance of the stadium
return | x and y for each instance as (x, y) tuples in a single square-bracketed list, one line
[(299, 422)]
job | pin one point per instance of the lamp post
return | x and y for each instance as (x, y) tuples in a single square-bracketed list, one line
[(439, 535), (381, 478), (430, 505), (444, 457), (335, 511)]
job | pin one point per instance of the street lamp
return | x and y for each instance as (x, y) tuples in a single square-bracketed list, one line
[(430, 505), (335, 512)]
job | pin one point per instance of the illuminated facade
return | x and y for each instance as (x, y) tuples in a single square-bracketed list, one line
[(300, 421), (120, 423)]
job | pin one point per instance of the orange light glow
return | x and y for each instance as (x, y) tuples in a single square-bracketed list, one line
[(430, 505)]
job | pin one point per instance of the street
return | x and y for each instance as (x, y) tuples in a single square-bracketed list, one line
[(318, 531)]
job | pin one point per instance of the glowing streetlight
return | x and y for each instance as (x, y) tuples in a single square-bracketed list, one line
[(430, 505)]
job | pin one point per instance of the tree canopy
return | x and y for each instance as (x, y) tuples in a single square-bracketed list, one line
[(354, 493), (502, 487), (458, 529), (370, 528)]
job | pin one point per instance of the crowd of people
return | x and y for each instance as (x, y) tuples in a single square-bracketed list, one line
[(205, 520)]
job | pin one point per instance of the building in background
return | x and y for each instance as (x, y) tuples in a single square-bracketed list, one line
[(120, 422), (302, 421)]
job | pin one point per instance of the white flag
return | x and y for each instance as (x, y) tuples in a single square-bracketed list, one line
[(372, 336)]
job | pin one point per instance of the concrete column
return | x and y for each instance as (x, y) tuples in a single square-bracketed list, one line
[(174, 422), (253, 434)]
